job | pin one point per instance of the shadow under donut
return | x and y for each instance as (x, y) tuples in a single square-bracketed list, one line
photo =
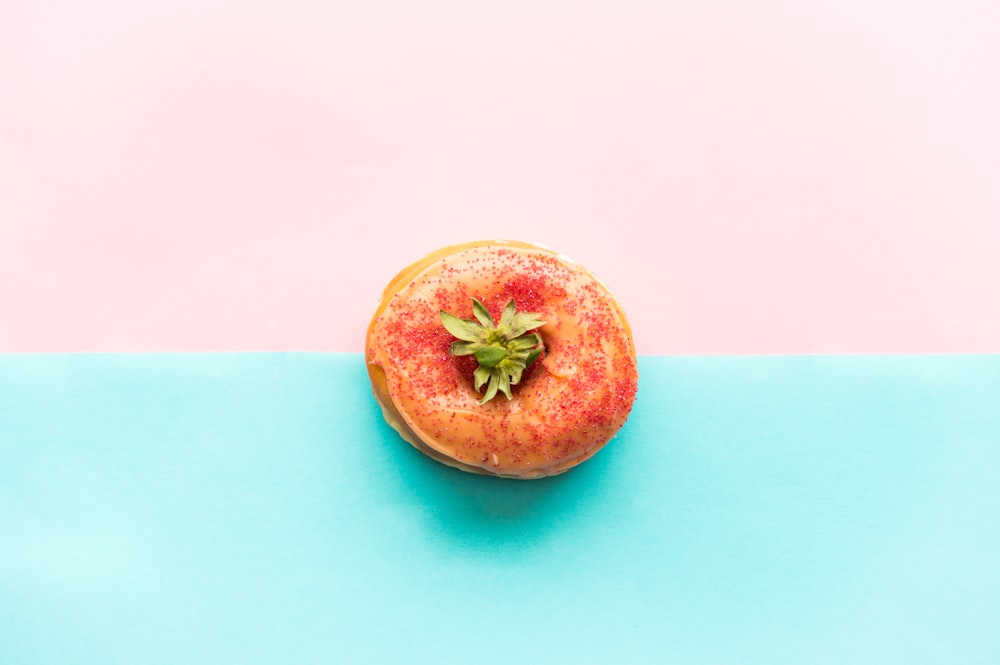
[(484, 513)]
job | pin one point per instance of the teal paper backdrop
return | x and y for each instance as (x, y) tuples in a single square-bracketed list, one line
[(254, 508)]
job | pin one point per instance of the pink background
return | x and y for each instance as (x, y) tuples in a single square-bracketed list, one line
[(748, 177)]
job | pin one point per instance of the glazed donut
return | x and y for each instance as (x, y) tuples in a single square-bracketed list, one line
[(559, 388)]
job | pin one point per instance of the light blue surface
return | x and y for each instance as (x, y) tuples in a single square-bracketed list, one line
[(255, 509)]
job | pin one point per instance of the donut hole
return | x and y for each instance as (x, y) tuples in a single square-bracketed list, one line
[(465, 367)]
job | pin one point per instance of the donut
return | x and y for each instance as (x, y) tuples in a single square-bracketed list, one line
[(502, 358)]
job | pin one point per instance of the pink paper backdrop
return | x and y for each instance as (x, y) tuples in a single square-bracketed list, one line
[(765, 176)]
